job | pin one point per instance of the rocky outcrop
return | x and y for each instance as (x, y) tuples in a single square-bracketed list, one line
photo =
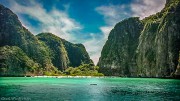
[(177, 73), (155, 53), (56, 49), (23, 53), (12, 33), (77, 54), (63, 53), (159, 43), (118, 54)]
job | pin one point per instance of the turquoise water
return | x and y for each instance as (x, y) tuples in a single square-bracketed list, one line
[(81, 89)]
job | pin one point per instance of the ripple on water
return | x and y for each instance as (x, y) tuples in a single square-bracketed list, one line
[(112, 89)]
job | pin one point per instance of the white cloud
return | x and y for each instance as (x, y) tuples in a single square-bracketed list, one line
[(144, 8), (93, 46), (139, 8), (54, 21), (113, 13), (106, 30)]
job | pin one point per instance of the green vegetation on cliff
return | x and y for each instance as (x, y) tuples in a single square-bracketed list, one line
[(56, 49), (22, 53), (14, 61), (152, 50), (63, 53), (83, 70), (77, 54), (12, 33), (119, 51)]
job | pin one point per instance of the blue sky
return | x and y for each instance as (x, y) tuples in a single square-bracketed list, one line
[(80, 21)]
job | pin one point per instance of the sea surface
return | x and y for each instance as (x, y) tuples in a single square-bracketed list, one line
[(88, 89)]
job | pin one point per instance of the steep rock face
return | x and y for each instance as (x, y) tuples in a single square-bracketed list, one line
[(177, 73), (77, 54), (64, 53), (118, 54), (57, 50), (12, 33), (157, 50), (159, 43)]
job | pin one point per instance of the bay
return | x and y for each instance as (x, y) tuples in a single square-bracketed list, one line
[(89, 89)]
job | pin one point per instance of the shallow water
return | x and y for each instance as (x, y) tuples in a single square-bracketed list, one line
[(85, 89)]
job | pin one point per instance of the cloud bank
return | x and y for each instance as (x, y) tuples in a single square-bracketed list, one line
[(144, 8), (54, 21)]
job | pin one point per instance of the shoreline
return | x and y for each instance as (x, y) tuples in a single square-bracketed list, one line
[(90, 77), (68, 76)]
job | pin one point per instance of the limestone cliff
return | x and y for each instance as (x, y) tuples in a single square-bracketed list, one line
[(118, 54), (64, 54), (22, 53), (156, 46)]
